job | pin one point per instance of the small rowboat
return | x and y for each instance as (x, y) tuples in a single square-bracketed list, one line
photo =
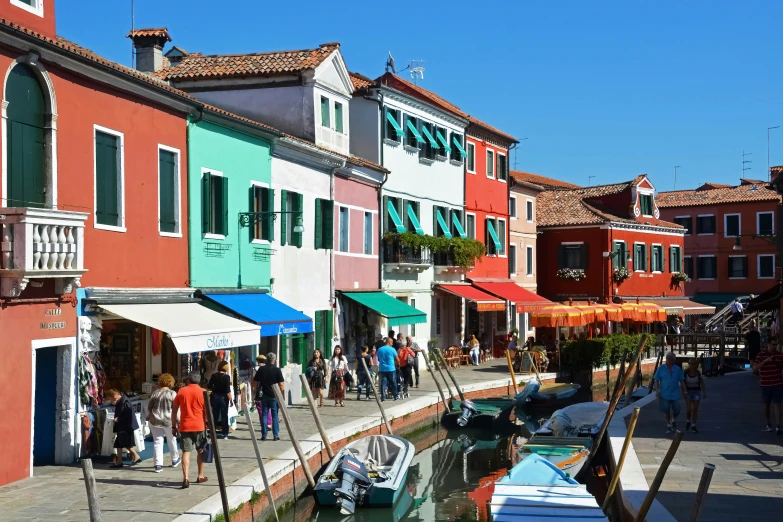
[(566, 453), (578, 420), (482, 414), (546, 395)]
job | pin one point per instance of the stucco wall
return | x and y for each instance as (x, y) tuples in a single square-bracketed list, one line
[(44, 25), (355, 269), (242, 159), (366, 138)]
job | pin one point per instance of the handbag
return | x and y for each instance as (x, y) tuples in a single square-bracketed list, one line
[(411, 360), (233, 413), (209, 454)]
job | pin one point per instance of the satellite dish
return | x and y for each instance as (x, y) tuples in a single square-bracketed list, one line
[(390, 64), (417, 70)]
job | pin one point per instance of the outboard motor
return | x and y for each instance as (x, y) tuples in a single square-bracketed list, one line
[(354, 484), (468, 412)]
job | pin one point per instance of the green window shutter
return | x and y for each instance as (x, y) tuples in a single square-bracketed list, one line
[(283, 216), (167, 167), (325, 121), (328, 331), (206, 198), (327, 237), (318, 224), (106, 182), (299, 202), (283, 351), (338, 117), (319, 328), (224, 184), (387, 225), (269, 220), (251, 207), (25, 139)]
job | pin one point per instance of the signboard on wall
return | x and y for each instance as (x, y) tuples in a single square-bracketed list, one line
[(490, 307)]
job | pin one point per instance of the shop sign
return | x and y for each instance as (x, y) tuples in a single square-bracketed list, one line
[(489, 307), (52, 326), (288, 331), (53, 311), (219, 342)]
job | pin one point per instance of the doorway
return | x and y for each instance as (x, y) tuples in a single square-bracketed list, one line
[(45, 411)]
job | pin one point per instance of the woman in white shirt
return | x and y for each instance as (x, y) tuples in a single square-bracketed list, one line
[(338, 365)]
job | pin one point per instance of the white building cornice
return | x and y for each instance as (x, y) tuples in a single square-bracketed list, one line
[(307, 155), (404, 99)]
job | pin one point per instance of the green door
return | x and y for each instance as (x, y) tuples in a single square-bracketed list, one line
[(25, 158)]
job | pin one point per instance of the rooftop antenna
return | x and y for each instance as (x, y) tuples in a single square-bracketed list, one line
[(417, 70), (133, 23), (744, 161), (675, 176), (390, 64), (590, 180), (516, 152)]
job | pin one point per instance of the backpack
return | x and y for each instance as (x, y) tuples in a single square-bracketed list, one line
[(410, 359)]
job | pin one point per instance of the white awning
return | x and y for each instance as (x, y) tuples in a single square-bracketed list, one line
[(192, 327)]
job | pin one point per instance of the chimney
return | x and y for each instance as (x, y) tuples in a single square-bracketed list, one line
[(774, 172), (149, 48)]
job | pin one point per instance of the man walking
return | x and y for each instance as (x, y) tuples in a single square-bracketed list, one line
[(736, 311), (386, 355), (190, 425), (413, 345), (769, 364), (268, 376), (670, 388)]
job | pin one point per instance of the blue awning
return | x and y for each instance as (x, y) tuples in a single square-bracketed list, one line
[(494, 237), (274, 317), (414, 220), (457, 224), (442, 223), (459, 146), (443, 140), (394, 123), (415, 132), (433, 142)]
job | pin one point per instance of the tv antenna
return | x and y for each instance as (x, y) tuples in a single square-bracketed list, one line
[(390, 64), (133, 24), (516, 152), (590, 180), (417, 70), (744, 161), (675, 176)]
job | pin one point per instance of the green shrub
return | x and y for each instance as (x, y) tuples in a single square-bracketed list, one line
[(594, 353)]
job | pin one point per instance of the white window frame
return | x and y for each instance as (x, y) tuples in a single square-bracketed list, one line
[(690, 231), (470, 145), (508, 169), (120, 185), (698, 275), (679, 256), (37, 9), (364, 232), (758, 221), (532, 203), (513, 270), (329, 104), (347, 228), (646, 192), (758, 266), (746, 261), (254, 183), (663, 258), (529, 271), (503, 240), (333, 119), (726, 222), (516, 209), (646, 255), (212, 172), (699, 232), (467, 229), (486, 158), (177, 192)]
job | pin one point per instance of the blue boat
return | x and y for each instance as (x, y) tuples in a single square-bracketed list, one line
[(368, 472), (550, 395), (535, 489)]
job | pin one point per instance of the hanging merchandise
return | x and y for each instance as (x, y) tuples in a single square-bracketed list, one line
[(157, 341), (88, 383)]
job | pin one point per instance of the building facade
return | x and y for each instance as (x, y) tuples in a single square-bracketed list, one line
[(730, 244)]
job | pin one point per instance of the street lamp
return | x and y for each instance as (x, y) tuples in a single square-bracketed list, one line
[(771, 238)]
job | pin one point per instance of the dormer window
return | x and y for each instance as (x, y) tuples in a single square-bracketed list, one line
[(31, 6), (646, 204)]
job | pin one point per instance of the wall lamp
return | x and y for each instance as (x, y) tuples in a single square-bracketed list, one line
[(770, 238)]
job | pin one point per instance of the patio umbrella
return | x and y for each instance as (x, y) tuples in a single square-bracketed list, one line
[(555, 315), (631, 311), (592, 312), (652, 311), (613, 312)]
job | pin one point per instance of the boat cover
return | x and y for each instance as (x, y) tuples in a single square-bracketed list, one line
[(569, 420), (376, 447)]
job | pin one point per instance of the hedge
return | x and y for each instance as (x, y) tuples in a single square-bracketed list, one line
[(608, 350)]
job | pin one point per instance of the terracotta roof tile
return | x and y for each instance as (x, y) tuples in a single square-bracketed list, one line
[(160, 32), (394, 81), (714, 196), (490, 128), (543, 181), (360, 81), (276, 63)]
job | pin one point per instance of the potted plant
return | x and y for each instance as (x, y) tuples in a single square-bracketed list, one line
[(574, 274), (621, 274), (680, 277)]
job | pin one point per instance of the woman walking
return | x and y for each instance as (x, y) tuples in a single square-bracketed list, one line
[(159, 418), (694, 385), (123, 427), (337, 366), (220, 386), (362, 377), (316, 370)]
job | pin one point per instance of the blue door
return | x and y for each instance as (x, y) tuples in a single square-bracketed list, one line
[(44, 415)]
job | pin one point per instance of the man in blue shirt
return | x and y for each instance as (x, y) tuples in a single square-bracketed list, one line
[(386, 367), (669, 388)]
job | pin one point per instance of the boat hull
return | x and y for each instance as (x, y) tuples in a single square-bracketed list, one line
[(376, 496), (493, 414)]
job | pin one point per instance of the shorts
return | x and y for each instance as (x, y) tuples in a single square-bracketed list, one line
[(193, 440), (772, 394), (667, 405), (694, 395)]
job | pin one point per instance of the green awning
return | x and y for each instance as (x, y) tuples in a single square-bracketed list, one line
[(395, 217), (455, 220), (443, 140), (394, 123), (394, 310), (430, 138), (494, 236), (415, 220), (416, 134), (459, 147), (442, 223)]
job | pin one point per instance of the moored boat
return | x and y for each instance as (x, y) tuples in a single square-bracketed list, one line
[(546, 395), (368, 472), (578, 420), (566, 453), (479, 413)]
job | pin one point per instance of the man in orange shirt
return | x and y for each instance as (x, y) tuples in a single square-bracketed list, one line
[(191, 425)]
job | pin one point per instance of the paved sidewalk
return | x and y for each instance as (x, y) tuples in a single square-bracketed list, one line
[(748, 480), (138, 493)]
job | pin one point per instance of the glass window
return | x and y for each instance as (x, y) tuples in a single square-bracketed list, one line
[(512, 206), (390, 131), (410, 137), (675, 259), (685, 222), (427, 150), (343, 229), (529, 211), (338, 116), (488, 241), (502, 167), (646, 202), (262, 202), (490, 164), (620, 258), (705, 225), (767, 266), (688, 267), (529, 261), (108, 183), (640, 257), (707, 267), (470, 224), (732, 225), (456, 154), (572, 256), (657, 258), (738, 266), (325, 116), (214, 203), (368, 233), (765, 226), (471, 157), (512, 259)]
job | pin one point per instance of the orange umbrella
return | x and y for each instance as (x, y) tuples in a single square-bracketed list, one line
[(613, 312), (631, 311), (592, 312), (555, 315), (652, 311)]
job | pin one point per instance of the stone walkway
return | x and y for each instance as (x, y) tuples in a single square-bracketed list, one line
[(135, 494), (748, 481)]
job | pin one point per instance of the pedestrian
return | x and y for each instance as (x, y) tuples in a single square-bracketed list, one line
[(124, 420), (374, 359), (316, 376), (475, 350), (736, 311), (696, 392), (407, 358), (413, 345), (159, 419), (268, 376), (396, 344), (209, 366), (769, 365), (220, 386), (386, 366), (337, 368), (257, 394), (670, 388), (189, 422), (753, 342), (362, 377), (245, 377)]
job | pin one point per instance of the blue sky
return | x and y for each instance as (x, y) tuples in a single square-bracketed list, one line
[(609, 89)]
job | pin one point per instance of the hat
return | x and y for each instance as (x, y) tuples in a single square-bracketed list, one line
[(260, 357)]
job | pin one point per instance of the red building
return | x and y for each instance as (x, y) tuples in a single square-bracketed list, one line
[(721, 265), (606, 242)]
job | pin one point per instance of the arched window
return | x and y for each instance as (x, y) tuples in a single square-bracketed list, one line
[(25, 139)]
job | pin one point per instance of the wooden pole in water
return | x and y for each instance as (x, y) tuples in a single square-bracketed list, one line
[(618, 469), (377, 398), (437, 383), (218, 462), (316, 416), (535, 367), (656, 483), (443, 376), (613, 403), (511, 371), (701, 493), (294, 441), (92, 494), (629, 391), (459, 391), (260, 460)]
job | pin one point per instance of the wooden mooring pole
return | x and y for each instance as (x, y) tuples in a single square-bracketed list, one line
[(459, 391), (437, 383), (656, 483), (218, 462), (92, 493), (701, 493), (511, 371), (377, 398), (316, 416), (260, 460), (291, 433), (619, 467)]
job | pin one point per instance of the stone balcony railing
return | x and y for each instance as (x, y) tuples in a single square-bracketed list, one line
[(401, 258), (39, 243)]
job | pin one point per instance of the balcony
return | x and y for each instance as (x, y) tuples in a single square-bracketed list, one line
[(38, 243), (400, 258), (445, 264)]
